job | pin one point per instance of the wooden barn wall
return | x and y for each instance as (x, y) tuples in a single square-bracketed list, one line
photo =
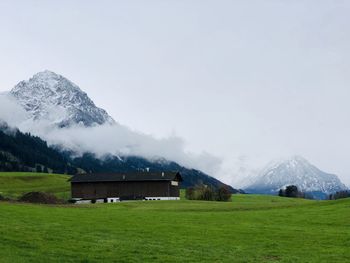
[(124, 189)]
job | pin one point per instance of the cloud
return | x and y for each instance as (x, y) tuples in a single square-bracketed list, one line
[(105, 139), (120, 140), (10, 111), (234, 169)]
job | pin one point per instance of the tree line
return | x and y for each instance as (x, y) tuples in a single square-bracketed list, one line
[(339, 195), (207, 193), (291, 191)]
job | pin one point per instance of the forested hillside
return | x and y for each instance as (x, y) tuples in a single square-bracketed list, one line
[(24, 152)]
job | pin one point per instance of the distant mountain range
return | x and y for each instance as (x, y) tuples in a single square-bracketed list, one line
[(52, 98), (295, 171)]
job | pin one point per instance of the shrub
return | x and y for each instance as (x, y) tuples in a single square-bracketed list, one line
[(291, 191), (203, 192), (206, 193), (190, 193), (223, 194)]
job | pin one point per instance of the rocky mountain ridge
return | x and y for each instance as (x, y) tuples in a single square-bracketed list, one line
[(295, 171), (50, 97)]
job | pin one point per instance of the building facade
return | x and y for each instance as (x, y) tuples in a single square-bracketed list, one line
[(113, 187)]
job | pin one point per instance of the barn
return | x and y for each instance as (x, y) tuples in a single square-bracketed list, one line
[(114, 187)]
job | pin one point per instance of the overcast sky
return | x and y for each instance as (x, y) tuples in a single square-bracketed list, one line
[(246, 81)]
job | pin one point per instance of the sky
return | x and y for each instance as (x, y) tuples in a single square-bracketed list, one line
[(244, 81)]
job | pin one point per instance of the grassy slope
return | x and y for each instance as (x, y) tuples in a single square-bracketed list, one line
[(252, 228), (15, 184)]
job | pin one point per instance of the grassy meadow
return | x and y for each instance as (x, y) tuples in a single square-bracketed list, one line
[(251, 228), (14, 184)]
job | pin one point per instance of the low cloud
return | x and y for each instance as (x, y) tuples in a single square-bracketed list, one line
[(105, 139), (10, 111)]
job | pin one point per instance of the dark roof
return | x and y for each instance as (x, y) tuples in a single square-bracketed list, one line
[(130, 176)]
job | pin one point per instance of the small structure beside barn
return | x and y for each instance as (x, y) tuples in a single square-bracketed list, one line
[(115, 187)]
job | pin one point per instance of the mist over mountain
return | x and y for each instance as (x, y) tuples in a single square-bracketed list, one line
[(295, 171), (28, 153), (52, 107), (59, 112)]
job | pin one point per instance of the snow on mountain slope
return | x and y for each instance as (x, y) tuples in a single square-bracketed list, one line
[(295, 171), (49, 96)]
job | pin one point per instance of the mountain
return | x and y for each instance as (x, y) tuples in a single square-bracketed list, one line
[(296, 171), (55, 100), (25, 152), (51, 97)]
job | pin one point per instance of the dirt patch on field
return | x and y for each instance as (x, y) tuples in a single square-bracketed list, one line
[(40, 198)]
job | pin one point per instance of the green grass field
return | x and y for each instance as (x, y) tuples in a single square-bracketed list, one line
[(251, 228), (13, 185)]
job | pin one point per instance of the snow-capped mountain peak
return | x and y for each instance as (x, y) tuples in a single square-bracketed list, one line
[(295, 171), (52, 97)]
